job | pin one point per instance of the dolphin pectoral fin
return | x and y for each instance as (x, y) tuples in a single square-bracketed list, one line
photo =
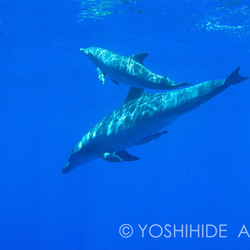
[(101, 76), (118, 156), (115, 82), (151, 137), (139, 57), (126, 156)]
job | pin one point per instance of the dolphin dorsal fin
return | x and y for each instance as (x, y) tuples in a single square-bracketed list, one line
[(134, 93), (139, 57)]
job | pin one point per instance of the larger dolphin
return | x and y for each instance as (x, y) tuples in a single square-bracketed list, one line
[(140, 118), (127, 70)]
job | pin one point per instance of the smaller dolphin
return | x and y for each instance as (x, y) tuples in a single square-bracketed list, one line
[(127, 70)]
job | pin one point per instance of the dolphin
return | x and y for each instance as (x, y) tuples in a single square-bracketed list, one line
[(140, 119), (127, 70)]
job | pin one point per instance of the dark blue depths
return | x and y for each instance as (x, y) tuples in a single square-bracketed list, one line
[(196, 174)]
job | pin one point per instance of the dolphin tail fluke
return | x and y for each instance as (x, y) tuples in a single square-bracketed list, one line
[(235, 77)]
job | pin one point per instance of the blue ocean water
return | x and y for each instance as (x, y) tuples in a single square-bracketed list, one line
[(196, 175)]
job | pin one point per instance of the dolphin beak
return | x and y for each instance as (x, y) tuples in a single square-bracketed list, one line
[(84, 51), (67, 168)]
